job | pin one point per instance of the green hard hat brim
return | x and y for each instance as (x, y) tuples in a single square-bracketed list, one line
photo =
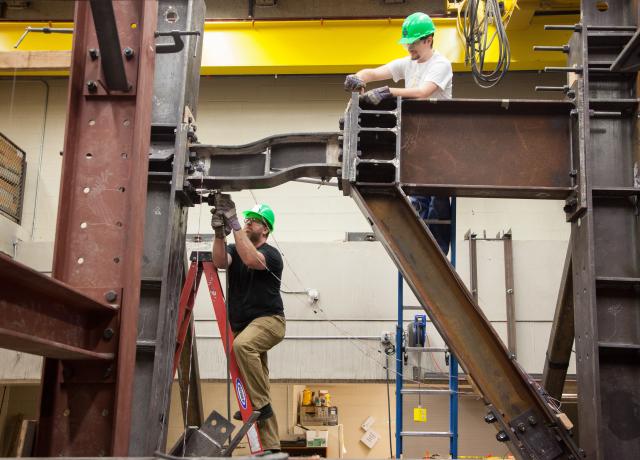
[(255, 215), (407, 40)]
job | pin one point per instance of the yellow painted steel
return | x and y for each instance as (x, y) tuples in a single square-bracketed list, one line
[(316, 47)]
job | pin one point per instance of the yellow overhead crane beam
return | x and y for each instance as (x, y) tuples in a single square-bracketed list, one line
[(294, 47)]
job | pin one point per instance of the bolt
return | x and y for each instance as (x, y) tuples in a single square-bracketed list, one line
[(66, 412), (502, 436), (92, 86), (128, 53), (111, 296), (490, 418), (107, 334), (573, 173), (570, 204), (521, 427), (532, 420), (105, 412), (93, 54)]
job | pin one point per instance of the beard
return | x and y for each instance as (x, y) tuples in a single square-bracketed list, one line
[(254, 236)]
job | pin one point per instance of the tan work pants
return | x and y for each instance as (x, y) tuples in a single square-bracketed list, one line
[(250, 348)]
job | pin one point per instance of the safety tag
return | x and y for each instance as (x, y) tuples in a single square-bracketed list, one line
[(419, 414)]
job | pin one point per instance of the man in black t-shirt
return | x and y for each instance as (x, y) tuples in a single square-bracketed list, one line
[(256, 313)]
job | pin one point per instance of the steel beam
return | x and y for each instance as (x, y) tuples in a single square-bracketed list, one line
[(173, 117), (605, 229), (525, 417), (45, 317), (86, 406), (562, 335), (268, 162), (510, 294), (486, 148)]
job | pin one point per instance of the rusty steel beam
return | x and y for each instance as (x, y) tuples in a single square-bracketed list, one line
[(86, 406), (526, 421), (562, 334), (486, 148), (42, 316)]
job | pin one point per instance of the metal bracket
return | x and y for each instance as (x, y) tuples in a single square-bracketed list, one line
[(535, 436), (206, 441), (178, 43)]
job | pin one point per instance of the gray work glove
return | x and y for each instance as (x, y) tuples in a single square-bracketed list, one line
[(353, 83), (376, 96), (225, 206), (218, 225)]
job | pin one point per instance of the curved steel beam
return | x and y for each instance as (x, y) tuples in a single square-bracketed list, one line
[(266, 163)]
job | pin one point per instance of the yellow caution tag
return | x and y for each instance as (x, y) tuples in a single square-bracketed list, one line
[(419, 414)]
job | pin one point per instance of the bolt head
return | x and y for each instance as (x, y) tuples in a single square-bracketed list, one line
[(128, 53), (490, 418), (532, 420), (93, 54), (108, 333), (92, 86), (501, 436), (521, 427), (111, 296)]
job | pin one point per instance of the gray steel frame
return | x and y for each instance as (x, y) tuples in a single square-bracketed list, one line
[(175, 93)]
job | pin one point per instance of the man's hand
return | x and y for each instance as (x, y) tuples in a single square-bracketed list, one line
[(376, 96), (225, 206), (220, 229), (353, 83)]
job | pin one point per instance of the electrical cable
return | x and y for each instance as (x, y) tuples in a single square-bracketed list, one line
[(475, 20)]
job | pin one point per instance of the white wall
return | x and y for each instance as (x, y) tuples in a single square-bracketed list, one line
[(357, 282)]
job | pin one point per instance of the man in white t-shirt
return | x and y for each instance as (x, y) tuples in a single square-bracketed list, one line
[(426, 74)]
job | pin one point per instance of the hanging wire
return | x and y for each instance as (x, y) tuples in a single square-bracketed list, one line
[(480, 24)]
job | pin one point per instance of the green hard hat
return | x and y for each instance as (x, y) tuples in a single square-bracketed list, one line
[(416, 26), (264, 212)]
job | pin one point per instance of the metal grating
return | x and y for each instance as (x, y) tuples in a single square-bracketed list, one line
[(13, 167)]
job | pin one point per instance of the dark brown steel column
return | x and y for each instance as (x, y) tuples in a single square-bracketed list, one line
[(605, 229), (86, 406), (463, 326)]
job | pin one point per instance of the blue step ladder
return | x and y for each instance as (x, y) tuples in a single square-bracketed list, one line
[(452, 434)]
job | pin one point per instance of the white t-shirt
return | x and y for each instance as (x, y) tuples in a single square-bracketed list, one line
[(415, 74)]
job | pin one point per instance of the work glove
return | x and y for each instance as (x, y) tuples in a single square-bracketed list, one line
[(353, 83), (218, 225), (225, 206), (376, 96)]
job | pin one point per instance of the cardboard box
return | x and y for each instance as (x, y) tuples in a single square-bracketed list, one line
[(317, 438)]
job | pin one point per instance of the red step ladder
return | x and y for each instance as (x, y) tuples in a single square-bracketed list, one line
[(201, 262)]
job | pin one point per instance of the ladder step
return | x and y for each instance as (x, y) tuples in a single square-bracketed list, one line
[(424, 391), (426, 349), (413, 307), (619, 345), (426, 434)]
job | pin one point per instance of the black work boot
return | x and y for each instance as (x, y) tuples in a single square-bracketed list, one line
[(237, 415)]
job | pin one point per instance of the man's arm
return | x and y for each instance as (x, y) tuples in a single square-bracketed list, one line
[(422, 92), (250, 256), (221, 259), (378, 74)]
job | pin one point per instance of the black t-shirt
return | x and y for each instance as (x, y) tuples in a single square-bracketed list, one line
[(254, 293)]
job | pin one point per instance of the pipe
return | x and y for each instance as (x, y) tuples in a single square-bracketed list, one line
[(399, 369)]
